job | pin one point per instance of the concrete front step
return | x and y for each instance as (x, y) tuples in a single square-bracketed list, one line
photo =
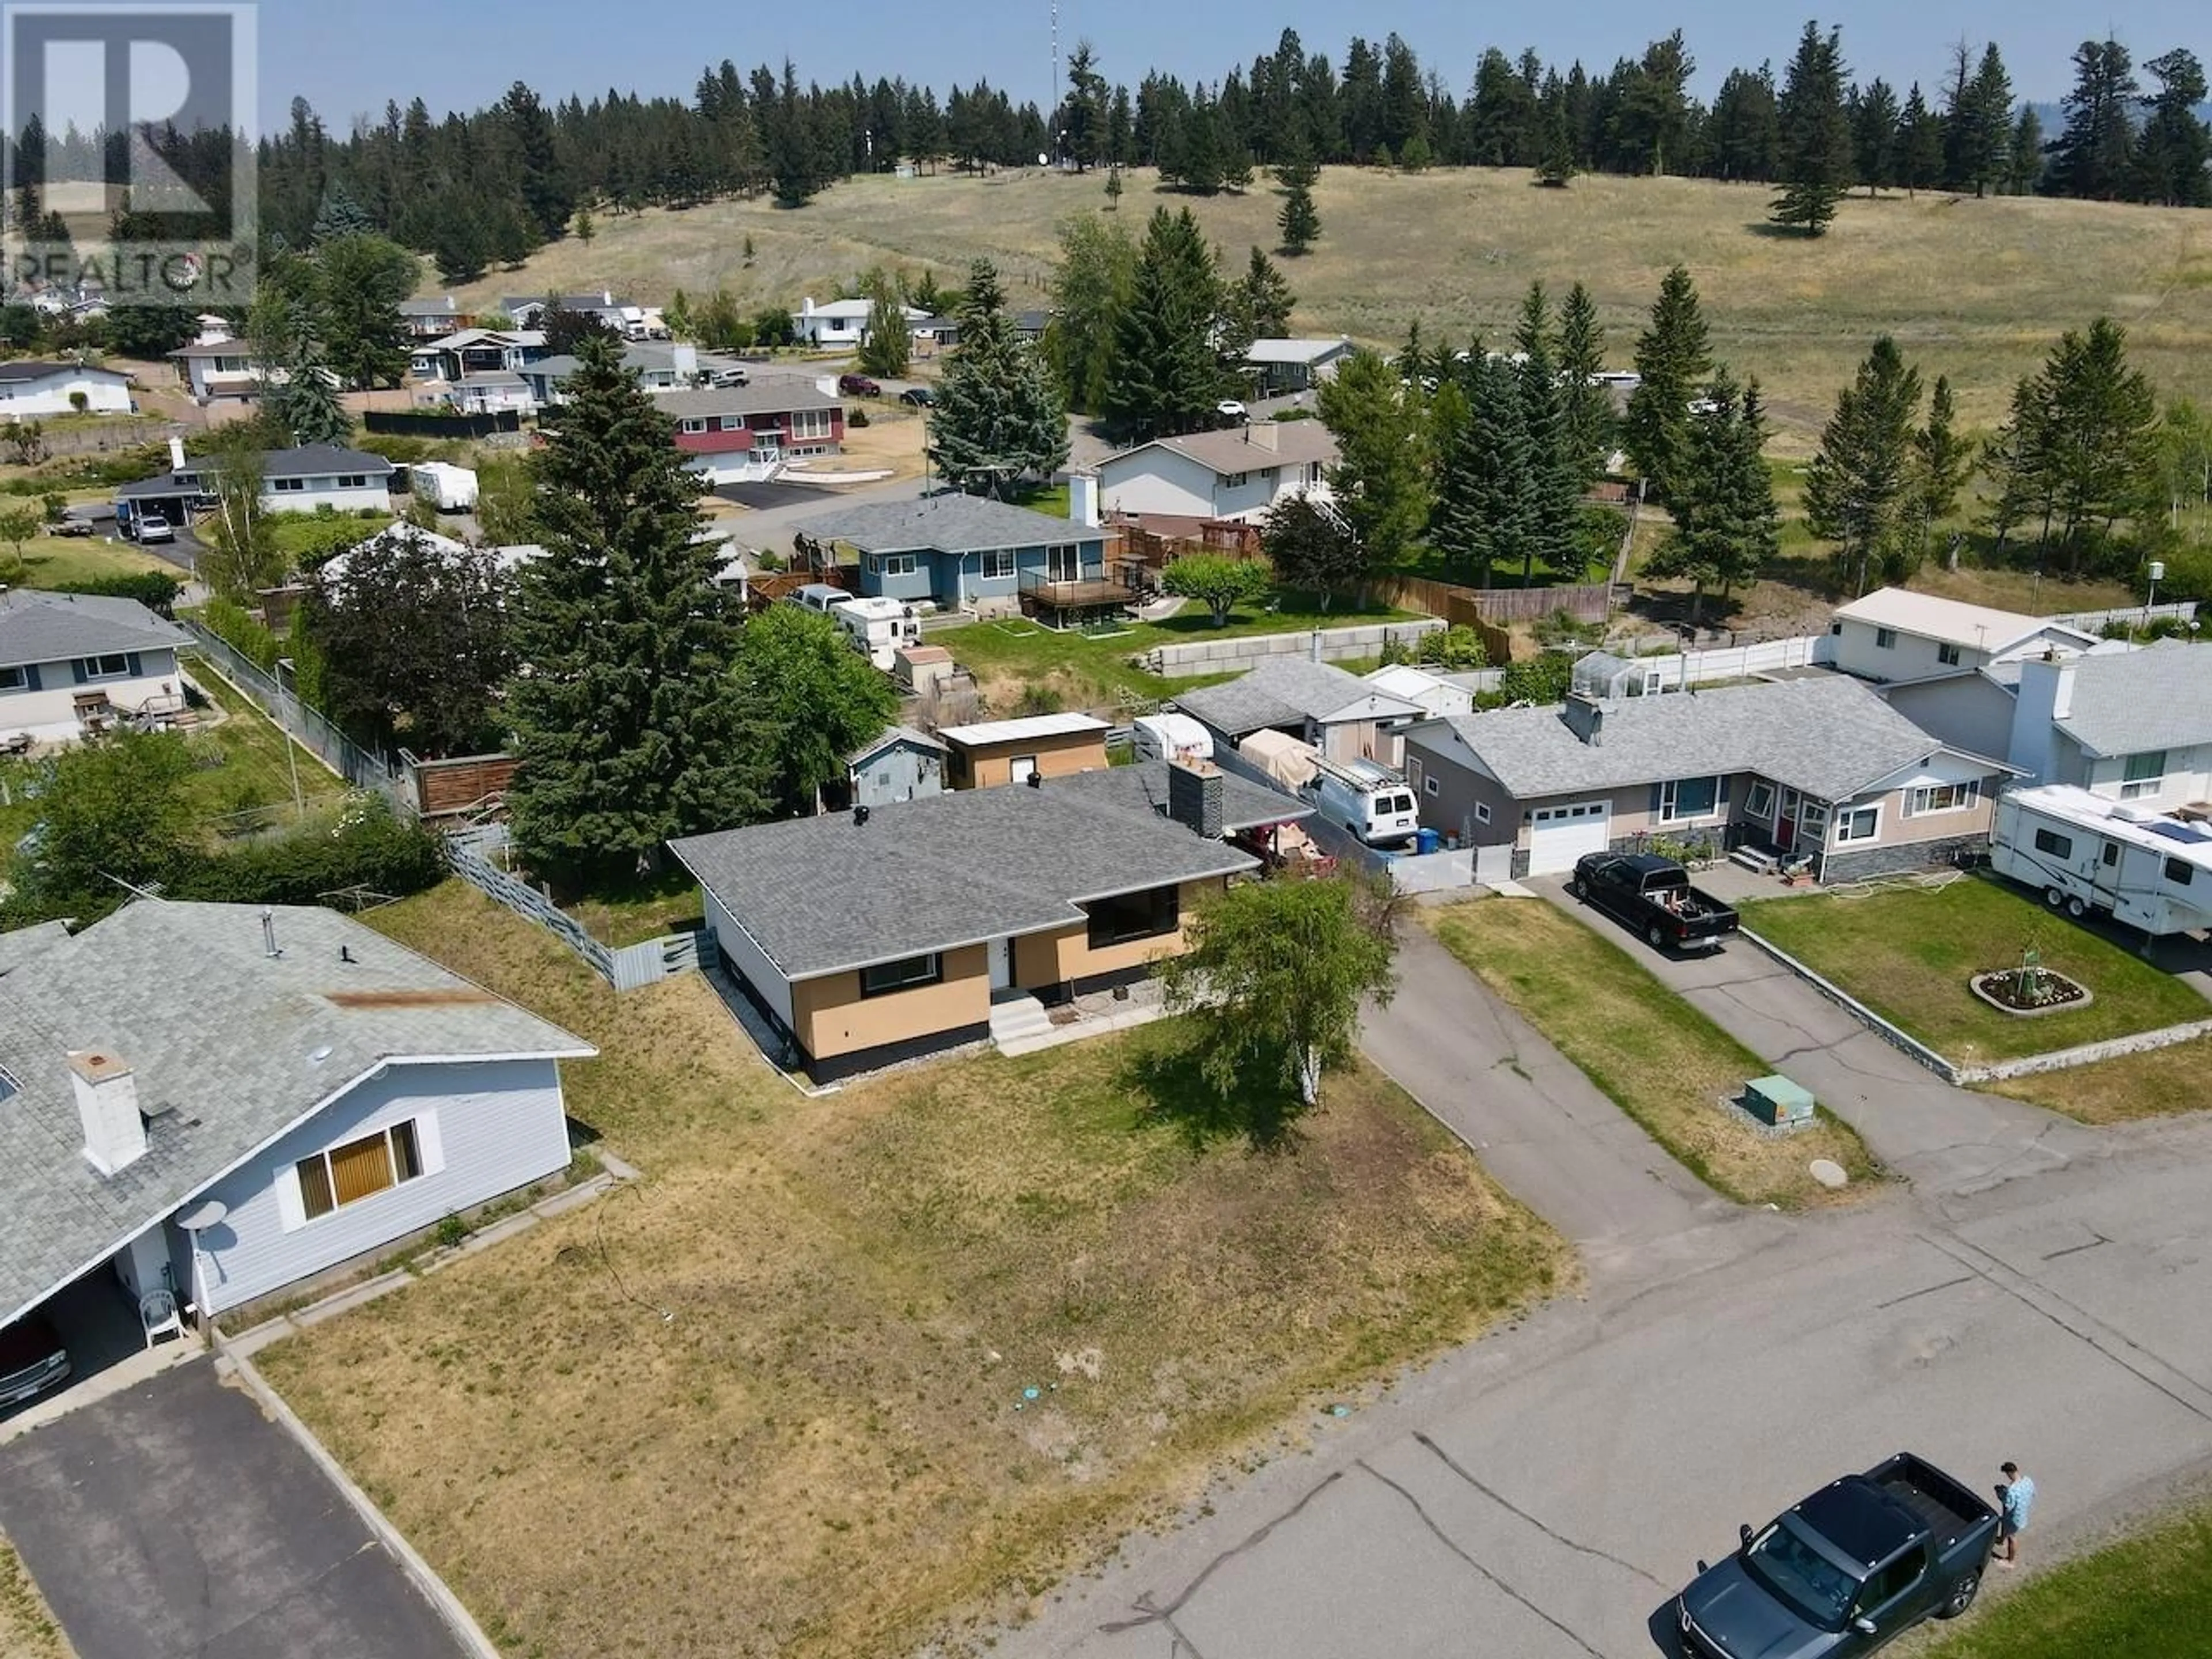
[(1018, 1018), (1753, 860)]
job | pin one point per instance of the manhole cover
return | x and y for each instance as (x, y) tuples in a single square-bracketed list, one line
[(1830, 1173)]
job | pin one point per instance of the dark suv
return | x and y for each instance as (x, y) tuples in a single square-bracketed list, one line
[(857, 385)]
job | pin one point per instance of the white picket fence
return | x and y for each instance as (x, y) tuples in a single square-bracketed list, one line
[(1734, 662), (2094, 622)]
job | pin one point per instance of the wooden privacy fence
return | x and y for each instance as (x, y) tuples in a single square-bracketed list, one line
[(463, 783), (1467, 607), (626, 968)]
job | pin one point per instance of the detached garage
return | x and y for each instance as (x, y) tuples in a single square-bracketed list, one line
[(1557, 835)]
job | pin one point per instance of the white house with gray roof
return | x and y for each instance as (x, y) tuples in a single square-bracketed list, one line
[(2133, 726), (1897, 636), (303, 479), (961, 552), (72, 662), (302, 1089), (1345, 717), (30, 390), (1821, 769), (1242, 472), (892, 932)]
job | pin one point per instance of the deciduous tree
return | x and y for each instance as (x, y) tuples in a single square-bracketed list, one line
[(811, 696), (1218, 581), (1097, 273), (1312, 548), (110, 812)]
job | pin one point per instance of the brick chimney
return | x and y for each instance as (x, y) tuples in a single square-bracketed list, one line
[(1585, 717), (108, 1106), (1194, 796)]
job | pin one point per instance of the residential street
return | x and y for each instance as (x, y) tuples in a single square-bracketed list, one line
[(2041, 1291)]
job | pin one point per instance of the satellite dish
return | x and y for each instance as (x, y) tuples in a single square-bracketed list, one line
[(201, 1217)]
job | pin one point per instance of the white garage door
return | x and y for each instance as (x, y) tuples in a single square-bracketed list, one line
[(1557, 835)]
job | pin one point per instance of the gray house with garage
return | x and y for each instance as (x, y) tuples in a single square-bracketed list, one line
[(1821, 770)]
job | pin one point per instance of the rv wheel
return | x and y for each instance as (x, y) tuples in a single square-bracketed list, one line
[(2053, 897), (2076, 908)]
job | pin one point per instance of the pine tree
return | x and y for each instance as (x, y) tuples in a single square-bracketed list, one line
[(2025, 176), (997, 419), (2173, 148), (2102, 439), (1579, 350), (1485, 514), (1977, 122), (305, 406), (1380, 481), (629, 733), (1256, 306), (1165, 379), (2093, 156), (1920, 142), (887, 348), (1725, 525), (1855, 489), (1942, 460), (1299, 222), (1672, 360), (1555, 480), (1817, 162), (1874, 135)]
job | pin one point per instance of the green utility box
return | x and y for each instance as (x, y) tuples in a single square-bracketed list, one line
[(1778, 1101)]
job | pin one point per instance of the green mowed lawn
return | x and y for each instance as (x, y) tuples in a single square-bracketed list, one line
[(2145, 1597), (1654, 1056), (1091, 669), (1909, 952), (60, 562)]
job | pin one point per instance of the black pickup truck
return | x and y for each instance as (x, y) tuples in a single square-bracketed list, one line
[(1653, 896), (1844, 1573)]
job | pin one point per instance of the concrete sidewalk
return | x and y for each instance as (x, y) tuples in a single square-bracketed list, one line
[(1947, 1139), (1557, 1143)]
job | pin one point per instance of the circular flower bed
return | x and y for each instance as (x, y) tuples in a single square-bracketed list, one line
[(2029, 991)]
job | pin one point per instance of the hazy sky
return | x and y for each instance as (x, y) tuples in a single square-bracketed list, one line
[(348, 57)]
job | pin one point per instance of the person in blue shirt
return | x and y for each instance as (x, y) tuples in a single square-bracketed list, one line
[(2015, 1498)]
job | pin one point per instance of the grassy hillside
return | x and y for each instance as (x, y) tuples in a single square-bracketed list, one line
[(1976, 290)]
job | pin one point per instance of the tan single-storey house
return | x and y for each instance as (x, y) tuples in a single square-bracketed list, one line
[(989, 753), (885, 934), (1821, 769)]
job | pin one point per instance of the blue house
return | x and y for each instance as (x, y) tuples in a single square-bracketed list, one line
[(969, 553)]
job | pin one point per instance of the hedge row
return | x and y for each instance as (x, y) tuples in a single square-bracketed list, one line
[(368, 848)]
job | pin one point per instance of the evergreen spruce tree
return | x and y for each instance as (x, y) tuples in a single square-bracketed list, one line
[(1817, 159), (1942, 460), (2093, 156), (341, 215), (1978, 124), (1485, 514), (628, 732), (997, 418), (1555, 480), (1256, 307), (1672, 360), (1726, 525), (1579, 351), (306, 407), (1856, 491), (2102, 437), (1920, 143), (888, 347), (2174, 146), (1874, 135), (2024, 176), (1165, 379), (1299, 222)]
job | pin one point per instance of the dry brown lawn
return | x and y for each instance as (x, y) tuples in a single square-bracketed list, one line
[(1658, 1059), (772, 1400), (1975, 289), (2159, 1084), (27, 1630)]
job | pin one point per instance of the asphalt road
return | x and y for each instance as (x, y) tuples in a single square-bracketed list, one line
[(2038, 1291), (174, 1521)]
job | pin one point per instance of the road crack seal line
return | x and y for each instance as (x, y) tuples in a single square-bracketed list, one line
[(1929, 1290), (1511, 1508), (1154, 1615), (2090, 1338), (1449, 1543)]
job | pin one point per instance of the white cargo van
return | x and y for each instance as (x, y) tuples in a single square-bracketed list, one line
[(1166, 737), (1369, 799)]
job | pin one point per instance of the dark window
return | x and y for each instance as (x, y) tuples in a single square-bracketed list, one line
[(2051, 841), (1885, 638), (12, 680), (2178, 872), (1892, 1581), (2111, 854), (1948, 655), (1134, 916), (909, 974)]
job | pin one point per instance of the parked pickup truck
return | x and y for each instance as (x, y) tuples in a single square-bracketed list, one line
[(1653, 896), (1844, 1573)]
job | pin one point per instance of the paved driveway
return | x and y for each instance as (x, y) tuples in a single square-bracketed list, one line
[(175, 1520), (1946, 1138)]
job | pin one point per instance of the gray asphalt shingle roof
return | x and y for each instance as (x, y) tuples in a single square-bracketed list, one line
[(1832, 737), (38, 627), (950, 523), (308, 461), (2128, 702), (765, 396), (1288, 691), (1143, 788), (220, 1039), (24, 368), (823, 894)]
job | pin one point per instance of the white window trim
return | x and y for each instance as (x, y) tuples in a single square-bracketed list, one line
[(1482, 812), (1840, 822), (1753, 808), (996, 564), (1948, 653), (2139, 788), (429, 1151), (1668, 815), (93, 673), (1428, 786), (1969, 796)]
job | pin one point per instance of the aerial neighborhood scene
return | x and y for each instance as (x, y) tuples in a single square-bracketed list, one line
[(1063, 832)]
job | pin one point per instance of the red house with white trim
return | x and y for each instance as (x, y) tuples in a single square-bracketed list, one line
[(731, 434)]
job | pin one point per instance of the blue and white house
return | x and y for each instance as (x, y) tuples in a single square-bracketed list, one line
[(961, 552), (70, 662), (219, 1102)]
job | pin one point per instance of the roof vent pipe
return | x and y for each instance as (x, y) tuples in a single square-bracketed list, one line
[(268, 934)]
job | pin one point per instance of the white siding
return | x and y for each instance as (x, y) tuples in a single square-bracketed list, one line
[(29, 400), (500, 1124), (2187, 777), (375, 496), (1155, 480), (49, 713), (740, 952), (1911, 658)]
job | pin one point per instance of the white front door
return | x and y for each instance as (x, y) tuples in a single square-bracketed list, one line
[(1002, 964), (1557, 835)]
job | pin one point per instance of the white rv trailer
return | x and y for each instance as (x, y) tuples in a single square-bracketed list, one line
[(878, 628), (2088, 852)]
